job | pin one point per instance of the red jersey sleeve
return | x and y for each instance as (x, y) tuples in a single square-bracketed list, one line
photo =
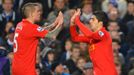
[(99, 35), (77, 37), (83, 28), (38, 31)]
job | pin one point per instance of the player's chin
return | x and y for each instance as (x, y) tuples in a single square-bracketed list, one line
[(38, 19)]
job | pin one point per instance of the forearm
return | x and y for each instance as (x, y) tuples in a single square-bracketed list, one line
[(73, 32), (54, 31), (76, 37), (50, 27), (82, 27)]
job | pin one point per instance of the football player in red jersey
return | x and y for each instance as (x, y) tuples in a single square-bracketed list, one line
[(26, 38), (99, 40)]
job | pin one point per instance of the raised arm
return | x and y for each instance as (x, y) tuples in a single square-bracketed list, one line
[(55, 27), (57, 23), (77, 37), (74, 35), (97, 33), (82, 27)]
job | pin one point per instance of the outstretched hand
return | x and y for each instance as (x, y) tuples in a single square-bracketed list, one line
[(58, 22), (59, 19), (76, 13)]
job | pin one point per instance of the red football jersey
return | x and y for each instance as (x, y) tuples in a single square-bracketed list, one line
[(100, 48), (25, 45)]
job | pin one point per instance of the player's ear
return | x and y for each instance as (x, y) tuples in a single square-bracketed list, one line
[(101, 23)]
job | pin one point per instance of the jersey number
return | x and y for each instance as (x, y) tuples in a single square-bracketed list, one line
[(15, 42)]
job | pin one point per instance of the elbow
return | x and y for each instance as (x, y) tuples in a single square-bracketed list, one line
[(74, 39)]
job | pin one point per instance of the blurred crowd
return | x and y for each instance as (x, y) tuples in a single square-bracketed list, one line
[(57, 54)]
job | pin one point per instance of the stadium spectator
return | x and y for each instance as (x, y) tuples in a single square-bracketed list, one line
[(80, 65), (115, 35), (88, 68), (9, 39), (130, 10), (48, 62), (4, 61), (18, 4), (120, 4), (116, 47), (67, 54), (61, 70), (8, 26), (129, 58), (59, 5), (87, 12), (8, 14), (71, 63), (74, 3), (118, 66), (1, 5), (47, 7), (113, 26), (113, 14), (131, 72), (84, 50)]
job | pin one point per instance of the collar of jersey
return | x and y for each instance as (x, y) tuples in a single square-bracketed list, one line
[(25, 20)]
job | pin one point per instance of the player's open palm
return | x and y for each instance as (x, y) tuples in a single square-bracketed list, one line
[(59, 21), (76, 13), (60, 18)]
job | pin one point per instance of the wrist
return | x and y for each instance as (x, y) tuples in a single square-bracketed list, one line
[(72, 23)]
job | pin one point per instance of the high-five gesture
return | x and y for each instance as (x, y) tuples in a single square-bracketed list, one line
[(76, 13), (57, 23)]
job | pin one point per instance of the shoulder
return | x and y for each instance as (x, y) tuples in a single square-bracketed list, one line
[(102, 32)]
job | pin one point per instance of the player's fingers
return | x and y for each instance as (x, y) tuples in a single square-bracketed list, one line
[(60, 13), (78, 11)]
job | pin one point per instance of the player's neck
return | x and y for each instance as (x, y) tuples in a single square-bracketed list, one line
[(30, 20)]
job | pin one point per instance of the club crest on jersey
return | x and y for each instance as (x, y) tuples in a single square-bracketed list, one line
[(101, 33), (19, 27), (40, 29)]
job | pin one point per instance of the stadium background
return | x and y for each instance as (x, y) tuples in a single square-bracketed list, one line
[(57, 54)]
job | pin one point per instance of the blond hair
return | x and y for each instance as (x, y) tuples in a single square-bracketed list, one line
[(29, 8)]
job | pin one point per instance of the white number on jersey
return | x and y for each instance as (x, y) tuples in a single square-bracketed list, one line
[(15, 42)]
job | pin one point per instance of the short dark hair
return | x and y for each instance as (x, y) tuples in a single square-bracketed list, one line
[(75, 46), (111, 21), (51, 52), (101, 16), (3, 1), (130, 1), (85, 3)]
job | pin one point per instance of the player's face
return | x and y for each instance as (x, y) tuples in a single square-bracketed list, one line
[(37, 14), (93, 22)]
